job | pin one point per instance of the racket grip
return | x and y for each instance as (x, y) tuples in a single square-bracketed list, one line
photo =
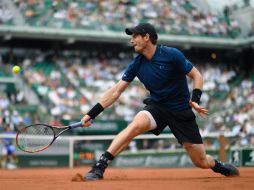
[(75, 125)]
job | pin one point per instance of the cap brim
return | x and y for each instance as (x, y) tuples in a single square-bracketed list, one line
[(130, 31)]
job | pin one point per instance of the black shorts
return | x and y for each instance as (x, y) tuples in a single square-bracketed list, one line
[(181, 123)]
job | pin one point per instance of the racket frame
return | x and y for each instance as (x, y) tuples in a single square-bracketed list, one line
[(66, 128)]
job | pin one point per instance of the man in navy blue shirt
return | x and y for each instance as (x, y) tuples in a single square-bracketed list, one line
[(163, 72)]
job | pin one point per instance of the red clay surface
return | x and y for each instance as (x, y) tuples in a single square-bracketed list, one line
[(125, 179)]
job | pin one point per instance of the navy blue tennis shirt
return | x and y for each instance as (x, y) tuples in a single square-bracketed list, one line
[(164, 76)]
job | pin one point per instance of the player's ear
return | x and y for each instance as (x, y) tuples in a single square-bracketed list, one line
[(147, 37)]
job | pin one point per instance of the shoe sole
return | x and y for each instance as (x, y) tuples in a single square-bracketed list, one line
[(92, 177)]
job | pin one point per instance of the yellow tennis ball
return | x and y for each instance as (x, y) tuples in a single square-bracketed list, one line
[(16, 69)]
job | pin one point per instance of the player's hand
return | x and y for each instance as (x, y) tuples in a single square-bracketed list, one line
[(203, 112), (86, 121)]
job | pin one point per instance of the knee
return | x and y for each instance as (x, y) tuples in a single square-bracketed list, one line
[(140, 124), (136, 129)]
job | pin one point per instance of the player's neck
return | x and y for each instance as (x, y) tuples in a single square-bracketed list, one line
[(149, 51)]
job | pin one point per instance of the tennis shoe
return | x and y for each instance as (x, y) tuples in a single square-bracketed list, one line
[(226, 169), (96, 173)]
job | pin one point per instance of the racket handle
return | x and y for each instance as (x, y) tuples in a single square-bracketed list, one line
[(75, 125)]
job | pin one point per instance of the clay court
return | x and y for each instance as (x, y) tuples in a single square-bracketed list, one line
[(125, 179)]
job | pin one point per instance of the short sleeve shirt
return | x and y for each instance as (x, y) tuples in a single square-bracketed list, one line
[(164, 76)]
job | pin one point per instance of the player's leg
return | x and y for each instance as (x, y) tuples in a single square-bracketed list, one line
[(198, 156), (12, 158), (202, 160), (140, 124), (183, 125), (4, 157)]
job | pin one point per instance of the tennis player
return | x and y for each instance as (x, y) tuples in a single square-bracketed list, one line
[(163, 72), (9, 157)]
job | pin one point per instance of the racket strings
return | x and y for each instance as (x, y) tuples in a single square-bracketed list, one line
[(35, 138)]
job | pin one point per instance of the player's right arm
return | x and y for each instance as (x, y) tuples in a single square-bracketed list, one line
[(112, 95), (107, 99)]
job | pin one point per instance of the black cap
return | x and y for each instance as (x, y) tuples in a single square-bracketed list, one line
[(143, 28)]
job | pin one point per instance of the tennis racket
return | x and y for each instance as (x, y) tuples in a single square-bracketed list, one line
[(38, 137)]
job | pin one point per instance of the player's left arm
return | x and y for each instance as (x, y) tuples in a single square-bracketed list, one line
[(184, 66), (197, 78)]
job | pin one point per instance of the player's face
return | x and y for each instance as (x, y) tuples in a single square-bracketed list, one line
[(138, 42)]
